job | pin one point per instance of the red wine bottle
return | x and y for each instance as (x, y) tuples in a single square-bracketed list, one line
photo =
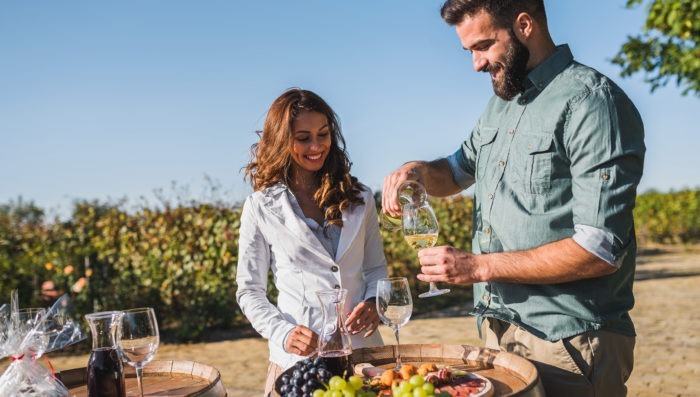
[(105, 374), (338, 363)]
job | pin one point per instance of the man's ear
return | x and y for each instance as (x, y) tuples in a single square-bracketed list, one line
[(523, 27)]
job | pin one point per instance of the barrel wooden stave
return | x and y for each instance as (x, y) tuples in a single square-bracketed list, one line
[(174, 378)]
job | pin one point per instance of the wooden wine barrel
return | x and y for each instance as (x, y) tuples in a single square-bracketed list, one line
[(511, 375), (171, 378)]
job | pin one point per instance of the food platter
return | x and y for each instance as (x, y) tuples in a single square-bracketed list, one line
[(507, 373), (447, 379)]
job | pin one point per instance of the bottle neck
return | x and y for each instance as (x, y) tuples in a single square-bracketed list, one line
[(103, 327), (103, 339)]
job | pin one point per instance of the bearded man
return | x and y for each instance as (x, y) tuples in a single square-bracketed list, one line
[(556, 159)]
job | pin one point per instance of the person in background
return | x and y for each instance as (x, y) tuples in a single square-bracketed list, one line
[(313, 225), (556, 159), (49, 293)]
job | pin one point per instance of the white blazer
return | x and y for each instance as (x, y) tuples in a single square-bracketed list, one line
[(273, 237)]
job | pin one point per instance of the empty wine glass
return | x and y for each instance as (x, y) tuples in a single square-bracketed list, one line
[(395, 306), (408, 192), (420, 229), (33, 324), (138, 339), (29, 317)]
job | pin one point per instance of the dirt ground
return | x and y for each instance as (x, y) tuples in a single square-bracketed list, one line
[(667, 362)]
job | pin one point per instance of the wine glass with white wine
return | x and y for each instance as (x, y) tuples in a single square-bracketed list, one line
[(395, 306), (138, 339), (420, 229)]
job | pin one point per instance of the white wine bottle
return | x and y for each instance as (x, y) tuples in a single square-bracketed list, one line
[(409, 192)]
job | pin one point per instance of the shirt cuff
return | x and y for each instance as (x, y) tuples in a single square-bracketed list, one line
[(462, 178), (596, 241)]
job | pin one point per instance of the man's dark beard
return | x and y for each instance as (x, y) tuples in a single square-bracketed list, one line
[(514, 70)]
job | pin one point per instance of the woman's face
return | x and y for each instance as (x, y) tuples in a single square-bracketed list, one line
[(311, 141)]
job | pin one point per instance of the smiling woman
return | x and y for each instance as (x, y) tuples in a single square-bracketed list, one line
[(301, 223)]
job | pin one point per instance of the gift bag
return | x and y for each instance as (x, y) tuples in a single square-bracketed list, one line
[(26, 335)]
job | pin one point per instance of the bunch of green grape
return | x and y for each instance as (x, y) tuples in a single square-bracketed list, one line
[(415, 386), (339, 387)]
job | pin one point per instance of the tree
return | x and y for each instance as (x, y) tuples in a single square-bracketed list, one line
[(669, 46)]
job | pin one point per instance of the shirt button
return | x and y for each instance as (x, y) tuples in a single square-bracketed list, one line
[(605, 176), (501, 163), (486, 298), (487, 230), (511, 131), (334, 268), (490, 196), (337, 286)]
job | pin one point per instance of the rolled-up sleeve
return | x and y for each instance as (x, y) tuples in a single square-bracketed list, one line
[(458, 166), (251, 278), (604, 136)]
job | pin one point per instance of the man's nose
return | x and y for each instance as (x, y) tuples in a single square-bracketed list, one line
[(479, 61)]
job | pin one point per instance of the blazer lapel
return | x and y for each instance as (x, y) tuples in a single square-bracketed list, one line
[(352, 221)]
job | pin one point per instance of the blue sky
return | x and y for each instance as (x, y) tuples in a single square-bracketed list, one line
[(111, 99)]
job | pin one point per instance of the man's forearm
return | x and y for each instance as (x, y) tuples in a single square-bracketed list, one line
[(558, 262), (438, 179)]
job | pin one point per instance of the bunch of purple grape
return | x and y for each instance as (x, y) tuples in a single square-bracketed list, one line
[(307, 376)]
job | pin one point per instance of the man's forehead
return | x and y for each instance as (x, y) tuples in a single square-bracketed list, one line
[(477, 28)]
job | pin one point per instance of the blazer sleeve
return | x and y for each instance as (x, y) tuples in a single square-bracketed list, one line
[(374, 263), (251, 277)]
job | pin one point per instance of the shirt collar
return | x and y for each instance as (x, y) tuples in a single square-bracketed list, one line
[(274, 190), (546, 71)]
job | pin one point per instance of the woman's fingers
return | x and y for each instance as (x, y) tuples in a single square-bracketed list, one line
[(302, 341), (363, 318)]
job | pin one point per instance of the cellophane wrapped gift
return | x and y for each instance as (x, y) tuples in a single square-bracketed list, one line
[(27, 340)]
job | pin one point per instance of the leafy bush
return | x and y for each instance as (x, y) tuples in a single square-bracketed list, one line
[(182, 259), (668, 217), (179, 260)]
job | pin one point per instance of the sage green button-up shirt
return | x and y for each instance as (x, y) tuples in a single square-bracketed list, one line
[(566, 153)]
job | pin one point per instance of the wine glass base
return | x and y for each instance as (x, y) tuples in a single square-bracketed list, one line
[(434, 292)]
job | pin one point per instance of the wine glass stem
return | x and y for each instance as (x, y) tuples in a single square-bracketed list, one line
[(433, 287), (398, 349), (139, 376)]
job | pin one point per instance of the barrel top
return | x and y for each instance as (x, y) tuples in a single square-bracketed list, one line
[(166, 377)]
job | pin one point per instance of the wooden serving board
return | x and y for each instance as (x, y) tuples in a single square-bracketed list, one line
[(160, 378)]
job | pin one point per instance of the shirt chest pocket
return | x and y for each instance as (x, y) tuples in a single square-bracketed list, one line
[(483, 142), (531, 162)]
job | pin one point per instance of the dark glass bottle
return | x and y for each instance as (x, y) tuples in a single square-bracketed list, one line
[(105, 371)]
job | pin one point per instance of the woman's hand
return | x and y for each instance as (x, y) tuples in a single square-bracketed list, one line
[(301, 341), (363, 318)]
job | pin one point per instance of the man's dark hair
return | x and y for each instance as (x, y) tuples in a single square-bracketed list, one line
[(503, 12)]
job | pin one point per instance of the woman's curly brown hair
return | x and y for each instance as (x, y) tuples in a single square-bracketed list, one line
[(271, 160)]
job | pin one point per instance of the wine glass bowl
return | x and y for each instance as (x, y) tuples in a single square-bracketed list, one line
[(29, 317), (34, 324), (420, 229), (394, 306), (138, 339)]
